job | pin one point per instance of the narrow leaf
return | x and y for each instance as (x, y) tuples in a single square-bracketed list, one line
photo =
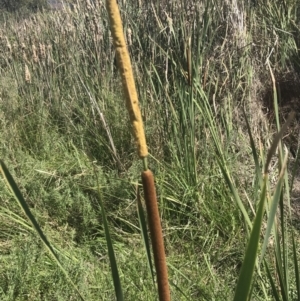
[(280, 273), (296, 267), (111, 253), (242, 292), (274, 289), (276, 140), (19, 197), (253, 148), (273, 209), (235, 194), (144, 231)]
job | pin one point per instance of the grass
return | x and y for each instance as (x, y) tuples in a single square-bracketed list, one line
[(70, 113)]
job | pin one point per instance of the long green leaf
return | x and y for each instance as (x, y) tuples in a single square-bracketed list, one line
[(144, 231), (273, 209), (295, 168), (277, 139), (235, 194), (296, 266), (284, 241), (19, 197), (16, 218), (111, 253), (253, 148), (243, 287), (274, 289), (281, 276)]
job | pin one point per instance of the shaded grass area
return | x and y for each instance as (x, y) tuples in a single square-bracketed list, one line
[(62, 108)]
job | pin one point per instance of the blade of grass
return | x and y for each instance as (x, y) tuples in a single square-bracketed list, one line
[(273, 209), (295, 168), (16, 218), (246, 275), (253, 148), (296, 267), (235, 193), (284, 242), (111, 253), (208, 115), (20, 199), (242, 292), (144, 231), (281, 275), (274, 289), (277, 140)]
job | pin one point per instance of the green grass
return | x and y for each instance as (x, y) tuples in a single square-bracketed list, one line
[(72, 114)]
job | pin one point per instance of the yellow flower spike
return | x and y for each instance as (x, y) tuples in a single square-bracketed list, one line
[(124, 65)]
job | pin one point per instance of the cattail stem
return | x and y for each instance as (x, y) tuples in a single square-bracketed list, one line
[(156, 236), (132, 104), (145, 163)]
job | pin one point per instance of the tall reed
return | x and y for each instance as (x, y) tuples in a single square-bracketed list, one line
[(195, 75), (132, 104)]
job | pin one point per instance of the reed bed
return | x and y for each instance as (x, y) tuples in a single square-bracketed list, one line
[(209, 79)]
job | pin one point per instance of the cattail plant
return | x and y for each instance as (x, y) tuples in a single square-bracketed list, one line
[(132, 104)]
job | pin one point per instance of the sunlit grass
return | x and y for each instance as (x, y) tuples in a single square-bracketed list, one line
[(62, 108)]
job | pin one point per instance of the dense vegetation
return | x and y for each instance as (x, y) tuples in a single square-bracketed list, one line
[(198, 65), (20, 6)]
